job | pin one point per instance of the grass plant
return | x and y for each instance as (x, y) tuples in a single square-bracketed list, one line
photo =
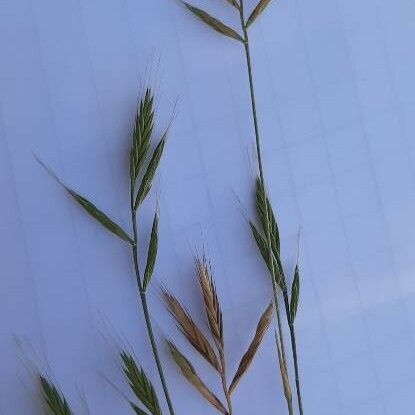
[(211, 349), (144, 162), (267, 238)]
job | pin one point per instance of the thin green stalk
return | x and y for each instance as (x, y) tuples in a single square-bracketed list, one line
[(146, 313), (294, 350), (261, 171), (268, 233)]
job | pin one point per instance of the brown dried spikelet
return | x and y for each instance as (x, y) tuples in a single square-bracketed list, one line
[(212, 306), (190, 330), (253, 347)]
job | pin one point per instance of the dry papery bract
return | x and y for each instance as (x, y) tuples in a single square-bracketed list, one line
[(144, 162), (213, 349)]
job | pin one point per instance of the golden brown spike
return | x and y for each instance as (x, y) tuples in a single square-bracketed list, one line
[(190, 330), (190, 374), (212, 306), (253, 347)]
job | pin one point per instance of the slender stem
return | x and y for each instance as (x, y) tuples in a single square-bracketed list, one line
[(268, 233), (144, 305), (294, 350), (289, 400), (261, 171), (297, 376), (223, 379), (290, 406), (155, 351), (285, 380), (279, 323)]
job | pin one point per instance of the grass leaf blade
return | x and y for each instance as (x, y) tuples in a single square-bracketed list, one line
[(213, 23), (152, 252), (253, 347), (192, 377), (53, 398), (295, 294), (140, 384), (259, 8)]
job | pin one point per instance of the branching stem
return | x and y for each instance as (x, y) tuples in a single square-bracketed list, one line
[(143, 298), (268, 232)]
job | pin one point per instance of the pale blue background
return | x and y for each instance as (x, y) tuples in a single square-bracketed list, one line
[(336, 93)]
